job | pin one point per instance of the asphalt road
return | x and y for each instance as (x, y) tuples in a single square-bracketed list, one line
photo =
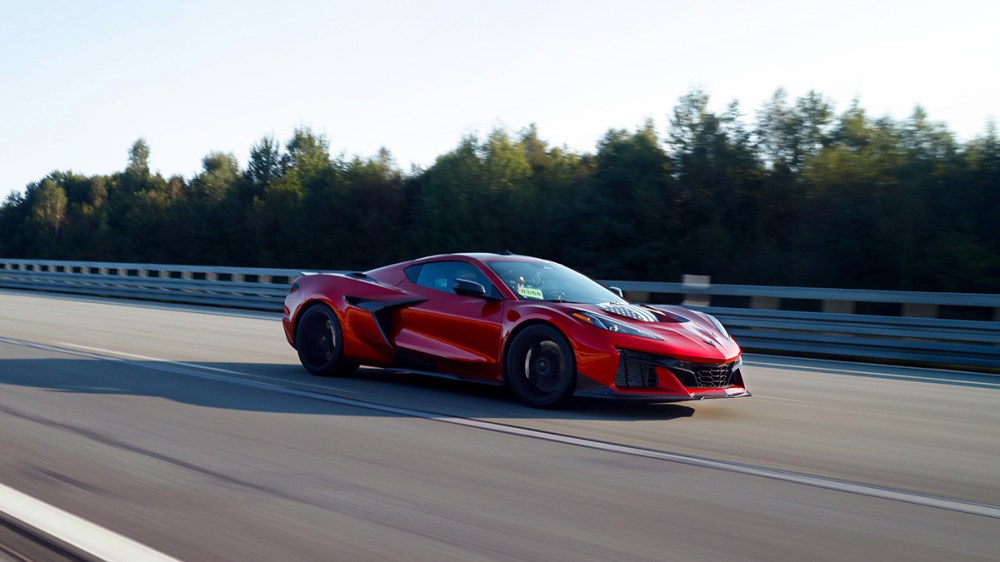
[(196, 433)]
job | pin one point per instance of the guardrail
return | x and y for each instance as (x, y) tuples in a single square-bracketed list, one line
[(238, 287), (899, 325)]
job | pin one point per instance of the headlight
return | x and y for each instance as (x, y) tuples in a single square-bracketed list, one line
[(612, 325), (718, 326)]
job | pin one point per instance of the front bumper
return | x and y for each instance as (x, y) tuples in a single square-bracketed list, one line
[(653, 395), (631, 374)]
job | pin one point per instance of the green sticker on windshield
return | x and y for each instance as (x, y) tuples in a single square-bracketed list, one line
[(529, 293)]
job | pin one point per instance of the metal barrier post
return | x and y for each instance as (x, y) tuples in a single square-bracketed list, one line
[(838, 306), (920, 310), (699, 284)]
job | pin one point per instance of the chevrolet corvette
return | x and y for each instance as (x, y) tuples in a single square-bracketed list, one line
[(546, 331)]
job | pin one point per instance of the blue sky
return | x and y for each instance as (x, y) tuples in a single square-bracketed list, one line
[(81, 80)]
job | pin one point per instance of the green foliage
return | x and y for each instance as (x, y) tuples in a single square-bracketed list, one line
[(49, 209), (138, 158), (804, 196)]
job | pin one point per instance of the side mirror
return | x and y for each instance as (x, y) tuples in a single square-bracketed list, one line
[(617, 291), (469, 288)]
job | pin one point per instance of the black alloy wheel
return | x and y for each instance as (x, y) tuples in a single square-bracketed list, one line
[(320, 343), (540, 367)]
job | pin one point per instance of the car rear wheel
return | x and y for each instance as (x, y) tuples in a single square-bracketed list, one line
[(540, 367), (320, 343)]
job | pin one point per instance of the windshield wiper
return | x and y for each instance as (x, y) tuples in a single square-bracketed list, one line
[(564, 301)]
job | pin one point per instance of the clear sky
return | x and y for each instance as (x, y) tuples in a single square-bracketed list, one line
[(80, 80)]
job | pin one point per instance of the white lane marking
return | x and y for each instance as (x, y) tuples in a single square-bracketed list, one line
[(80, 533), (822, 482), (147, 358), (193, 366)]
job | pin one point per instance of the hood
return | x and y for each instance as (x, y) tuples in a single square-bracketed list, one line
[(631, 311), (685, 332)]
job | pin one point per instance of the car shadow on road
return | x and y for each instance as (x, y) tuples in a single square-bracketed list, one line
[(286, 388), (450, 391)]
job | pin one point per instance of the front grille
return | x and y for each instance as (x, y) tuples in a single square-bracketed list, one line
[(713, 376), (704, 375), (636, 370)]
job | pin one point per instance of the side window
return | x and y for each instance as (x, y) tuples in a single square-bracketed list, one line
[(413, 273), (441, 275)]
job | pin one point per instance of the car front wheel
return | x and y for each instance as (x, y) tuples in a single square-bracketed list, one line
[(540, 367)]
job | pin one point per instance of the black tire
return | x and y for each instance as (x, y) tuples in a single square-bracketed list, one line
[(540, 367), (320, 343)]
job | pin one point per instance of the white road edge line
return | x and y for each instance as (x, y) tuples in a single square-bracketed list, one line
[(80, 533), (177, 368), (188, 365), (822, 482), (147, 358)]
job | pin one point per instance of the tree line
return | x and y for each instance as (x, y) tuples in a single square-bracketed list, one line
[(800, 195)]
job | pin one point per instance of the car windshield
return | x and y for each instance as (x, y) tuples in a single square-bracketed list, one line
[(548, 281)]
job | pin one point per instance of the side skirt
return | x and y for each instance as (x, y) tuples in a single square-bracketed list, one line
[(440, 375)]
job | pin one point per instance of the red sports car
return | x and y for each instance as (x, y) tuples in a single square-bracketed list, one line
[(543, 329)]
